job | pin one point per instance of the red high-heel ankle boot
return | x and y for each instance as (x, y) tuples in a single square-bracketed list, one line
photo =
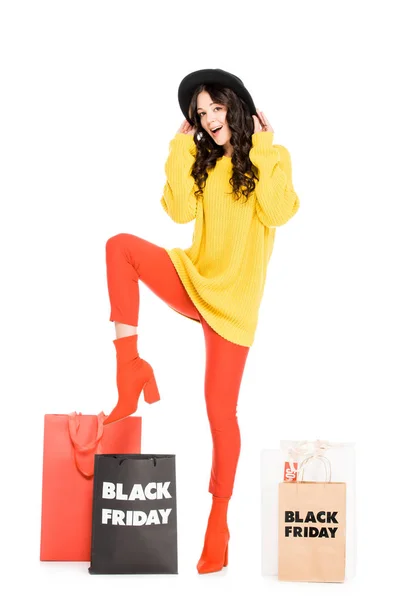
[(215, 550), (133, 375)]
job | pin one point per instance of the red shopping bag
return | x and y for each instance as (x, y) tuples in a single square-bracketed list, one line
[(70, 443)]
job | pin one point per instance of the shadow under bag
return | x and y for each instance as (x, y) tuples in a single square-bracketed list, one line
[(134, 528)]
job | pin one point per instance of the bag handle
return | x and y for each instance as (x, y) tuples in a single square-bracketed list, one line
[(323, 459), (73, 428)]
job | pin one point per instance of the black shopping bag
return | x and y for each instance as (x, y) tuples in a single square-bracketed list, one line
[(134, 523)]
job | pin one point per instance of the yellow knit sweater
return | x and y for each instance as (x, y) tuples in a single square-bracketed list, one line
[(224, 270)]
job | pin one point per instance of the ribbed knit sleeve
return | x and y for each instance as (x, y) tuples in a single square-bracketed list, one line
[(276, 200), (178, 199)]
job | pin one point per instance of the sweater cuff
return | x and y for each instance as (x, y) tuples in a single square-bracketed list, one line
[(184, 142), (263, 139), (263, 154)]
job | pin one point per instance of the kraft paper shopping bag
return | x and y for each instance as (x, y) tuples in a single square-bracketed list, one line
[(342, 458), (312, 531)]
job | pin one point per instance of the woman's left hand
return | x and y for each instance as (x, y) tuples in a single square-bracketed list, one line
[(261, 123)]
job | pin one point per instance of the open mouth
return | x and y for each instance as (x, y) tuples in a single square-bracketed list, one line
[(216, 131)]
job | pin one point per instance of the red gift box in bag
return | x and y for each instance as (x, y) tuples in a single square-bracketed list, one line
[(70, 443)]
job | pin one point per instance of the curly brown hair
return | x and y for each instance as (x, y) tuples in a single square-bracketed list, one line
[(241, 124)]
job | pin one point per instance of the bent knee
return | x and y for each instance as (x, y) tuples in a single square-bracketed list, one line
[(116, 241)]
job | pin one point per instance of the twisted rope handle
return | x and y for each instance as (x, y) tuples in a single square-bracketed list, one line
[(326, 462)]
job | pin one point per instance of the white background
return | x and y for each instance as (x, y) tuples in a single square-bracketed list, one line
[(88, 107)]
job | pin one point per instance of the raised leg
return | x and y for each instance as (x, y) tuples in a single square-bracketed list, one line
[(130, 259)]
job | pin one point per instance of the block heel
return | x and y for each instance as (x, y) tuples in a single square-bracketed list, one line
[(150, 391), (226, 556)]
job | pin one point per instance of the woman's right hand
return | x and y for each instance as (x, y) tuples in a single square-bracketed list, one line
[(187, 128)]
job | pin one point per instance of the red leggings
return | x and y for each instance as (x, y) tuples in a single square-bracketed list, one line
[(130, 258)]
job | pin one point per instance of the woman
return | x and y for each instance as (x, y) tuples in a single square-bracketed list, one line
[(223, 172)]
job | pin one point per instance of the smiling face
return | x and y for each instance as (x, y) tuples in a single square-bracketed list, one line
[(213, 115)]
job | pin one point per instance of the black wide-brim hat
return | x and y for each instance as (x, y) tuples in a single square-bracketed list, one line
[(189, 84)]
